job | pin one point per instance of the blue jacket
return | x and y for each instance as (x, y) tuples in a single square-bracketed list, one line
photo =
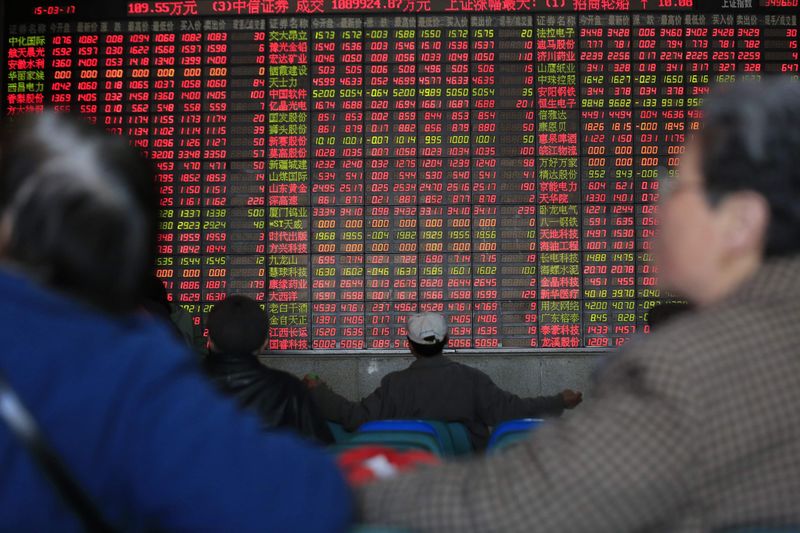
[(147, 437)]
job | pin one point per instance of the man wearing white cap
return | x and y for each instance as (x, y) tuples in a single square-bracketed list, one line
[(436, 387), (427, 329)]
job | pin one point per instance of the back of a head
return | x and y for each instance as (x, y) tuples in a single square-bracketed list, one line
[(751, 141), (427, 333), (237, 326), (78, 209)]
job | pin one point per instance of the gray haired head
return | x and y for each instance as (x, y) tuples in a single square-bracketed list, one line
[(78, 209)]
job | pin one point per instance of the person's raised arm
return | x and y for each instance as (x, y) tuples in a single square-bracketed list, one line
[(495, 405), (351, 415)]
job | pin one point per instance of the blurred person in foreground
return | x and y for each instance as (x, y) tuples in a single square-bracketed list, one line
[(695, 427), (116, 394), (662, 313), (436, 387), (237, 333)]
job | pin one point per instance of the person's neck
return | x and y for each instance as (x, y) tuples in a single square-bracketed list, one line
[(417, 356), (731, 277), (233, 355)]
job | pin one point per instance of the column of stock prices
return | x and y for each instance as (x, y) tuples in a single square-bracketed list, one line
[(349, 163)]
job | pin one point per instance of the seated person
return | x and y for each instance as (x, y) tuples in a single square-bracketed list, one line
[(237, 333), (436, 387), (118, 397)]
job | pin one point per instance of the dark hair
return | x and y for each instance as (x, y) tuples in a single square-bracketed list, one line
[(427, 350), (750, 140), (80, 208), (156, 303), (155, 296), (663, 312), (237, 325)]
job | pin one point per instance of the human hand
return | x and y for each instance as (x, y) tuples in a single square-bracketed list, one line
[(571, 398), (312, 380)]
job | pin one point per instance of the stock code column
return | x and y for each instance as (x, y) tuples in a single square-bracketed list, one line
[(390, 184), (337, 183), (443, 123), (609, 315), (504, 181), (288, 184), (234, 154), (558, 181)]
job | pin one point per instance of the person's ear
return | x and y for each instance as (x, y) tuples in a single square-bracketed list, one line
[(411, 348), (744, 218)]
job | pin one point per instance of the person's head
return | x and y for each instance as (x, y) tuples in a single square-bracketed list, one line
[(736, 198), (237, 326), (427, 334), (663, 312), (78, 209)]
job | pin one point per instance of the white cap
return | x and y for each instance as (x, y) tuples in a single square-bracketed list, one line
[(427, 328)]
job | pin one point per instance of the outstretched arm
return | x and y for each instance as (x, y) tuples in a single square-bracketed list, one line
[(621, 464), (351, 415), (496, 405)]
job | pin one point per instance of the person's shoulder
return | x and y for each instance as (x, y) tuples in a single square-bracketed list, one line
[(134, 348), (461, 366), (694, 336), (672, 346), (143, 329), (445, 366), (124, 345), (464, 368), (286, 379), (397, 376), (686, 351), (151, 356)]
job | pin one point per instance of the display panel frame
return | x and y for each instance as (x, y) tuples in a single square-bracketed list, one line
[(102, 10)]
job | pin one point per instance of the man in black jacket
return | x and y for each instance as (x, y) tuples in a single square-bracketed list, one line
[(236, 335), (435, 387)]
